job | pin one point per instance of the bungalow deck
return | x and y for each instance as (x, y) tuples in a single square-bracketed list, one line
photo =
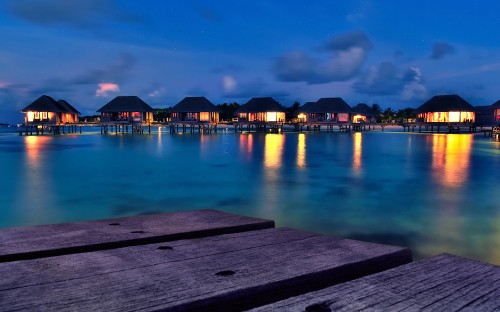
[(50, 128), (431, 127), (208, 260)]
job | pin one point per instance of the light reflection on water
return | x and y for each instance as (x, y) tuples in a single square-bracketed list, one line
[(434, 193)]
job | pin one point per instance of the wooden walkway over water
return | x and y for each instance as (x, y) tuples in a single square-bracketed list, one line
[(208, 260)]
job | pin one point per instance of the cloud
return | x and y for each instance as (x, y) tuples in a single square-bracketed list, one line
[(440, 50), (115, 72), (253, 88), (228, 83), (413, 89), (349, 52), (388, 79), (75, 13), (105, 88), (157, 93)]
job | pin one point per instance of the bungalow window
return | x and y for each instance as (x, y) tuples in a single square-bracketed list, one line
[(204, 116), (136, 116), (454, 116), (30, 116), (272, 116), (343, 117)]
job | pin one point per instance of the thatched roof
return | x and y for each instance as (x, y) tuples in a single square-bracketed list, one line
[(485, 109), (194, 105), (305, 108), (445, 103), (69, 108), (258, 105), (364, 110), (329, 105), (496, 104), (45, 104), (125, 104)]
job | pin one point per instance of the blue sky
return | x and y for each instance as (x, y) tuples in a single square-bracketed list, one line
[(394, 53)]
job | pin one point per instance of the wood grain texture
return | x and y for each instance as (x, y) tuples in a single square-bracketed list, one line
[(59, 239), (441, 283), (221, 273)]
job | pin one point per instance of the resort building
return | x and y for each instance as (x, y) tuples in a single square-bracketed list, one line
[(126, 110), (302, 112), (496, 112), (326, 110), (194, 110), (446, 109), (363, 114), (47, 111), (485, 116), (261, 110)]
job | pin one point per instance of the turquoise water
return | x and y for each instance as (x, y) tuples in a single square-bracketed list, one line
[(431, 192)]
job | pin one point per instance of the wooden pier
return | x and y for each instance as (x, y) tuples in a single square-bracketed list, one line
[(48, 128), (192, 127), (439, 127), (263, 127), (207, 260)]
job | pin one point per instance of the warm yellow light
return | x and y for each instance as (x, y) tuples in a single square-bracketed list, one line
[(451, 157), (204, 116), (454, 116), (273, 150), (271, 116), (30, 116), (358, 149), (301, 150)]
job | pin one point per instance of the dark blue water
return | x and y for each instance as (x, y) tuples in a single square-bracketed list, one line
[(434, 193)]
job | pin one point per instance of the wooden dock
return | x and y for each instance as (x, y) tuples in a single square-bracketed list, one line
[(207, 260), (440, 283)]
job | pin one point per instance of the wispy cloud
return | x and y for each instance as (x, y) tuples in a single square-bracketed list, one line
[(388, 79), (441, 49), (75, 13), (349, 52), (115, 72), (105, 88)]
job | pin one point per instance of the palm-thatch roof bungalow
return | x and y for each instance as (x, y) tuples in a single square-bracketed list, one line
[(263, 109), (302, 111), (446, 108), (195, 110), (46, 110), (363, 113), (72, 115), (496, 111), (485, 115), (327, 110), (126, 110)]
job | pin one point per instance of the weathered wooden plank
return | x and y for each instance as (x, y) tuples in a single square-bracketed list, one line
[(441, 283), (221, 273), (59, 239)]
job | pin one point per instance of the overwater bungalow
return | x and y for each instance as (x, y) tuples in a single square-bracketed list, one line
[(496, 112), (261, 110), (302, 112), (194, 110), (47, 111), (327, 110), (446, 109), (123, 111), (363, 114), (126, 110), (485, 115)]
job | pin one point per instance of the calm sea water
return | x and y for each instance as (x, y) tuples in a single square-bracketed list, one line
[(431, 192)]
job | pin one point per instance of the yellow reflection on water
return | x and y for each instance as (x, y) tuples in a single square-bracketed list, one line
[(246, 144), (273, 150), (451, 158), (301, 151), (358, 149), (34, 144)]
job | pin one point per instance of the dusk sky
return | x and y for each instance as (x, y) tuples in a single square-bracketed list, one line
[(394, 53)]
